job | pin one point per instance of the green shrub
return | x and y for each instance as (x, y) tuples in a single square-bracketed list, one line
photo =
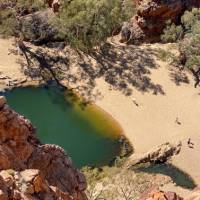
[(190, 46), (190, 18), (172, 33), (94, 175), (9, 16), (85, 24), (8, 22)]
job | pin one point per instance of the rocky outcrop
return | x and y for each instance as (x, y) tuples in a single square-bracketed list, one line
[(152, 15), (159, 154), (37, 27), (156, 194), (28, 184), (33, 163)]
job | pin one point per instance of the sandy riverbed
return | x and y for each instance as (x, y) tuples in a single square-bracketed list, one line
[(153, 121)]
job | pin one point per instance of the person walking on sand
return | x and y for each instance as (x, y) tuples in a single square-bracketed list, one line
[(177, 121), (135, 102), (190, 144)]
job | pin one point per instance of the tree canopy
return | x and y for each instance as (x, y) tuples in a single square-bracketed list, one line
[(82, 24), (85, 24)]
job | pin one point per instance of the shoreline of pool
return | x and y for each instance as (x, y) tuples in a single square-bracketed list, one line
[(118, 133)]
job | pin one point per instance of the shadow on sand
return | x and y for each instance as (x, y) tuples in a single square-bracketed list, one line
[(122, 67), (178, 176)]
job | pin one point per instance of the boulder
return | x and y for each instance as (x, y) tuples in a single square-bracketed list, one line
[(37, 27), (155, 194), (159, 154)]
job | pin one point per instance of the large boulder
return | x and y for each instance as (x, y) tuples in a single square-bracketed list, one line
[(159, 154), (151, 17), (21, 150), (37, 27), (156, 194)]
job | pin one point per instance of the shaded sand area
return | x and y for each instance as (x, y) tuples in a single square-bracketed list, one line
[(11, 73), (8, 63), (151, 101)]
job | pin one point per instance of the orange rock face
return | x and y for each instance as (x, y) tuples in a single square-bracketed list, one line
[(155, 194), (21, 151), (152, 15)]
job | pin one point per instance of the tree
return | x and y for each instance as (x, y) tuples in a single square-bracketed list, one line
[(12, 10), (190, 46), (172, 33), (85, 24)]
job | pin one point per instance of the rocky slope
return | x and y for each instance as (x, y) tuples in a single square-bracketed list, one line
[(156, 194), (151, 17), (30, 170)]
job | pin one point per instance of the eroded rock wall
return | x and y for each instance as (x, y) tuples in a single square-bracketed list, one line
[(148, 23), (21, 151)]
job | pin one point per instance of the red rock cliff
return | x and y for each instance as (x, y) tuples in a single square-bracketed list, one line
[(30, 170), (151, 17)]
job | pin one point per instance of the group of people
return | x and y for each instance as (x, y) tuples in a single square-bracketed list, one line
[(190, 144)]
